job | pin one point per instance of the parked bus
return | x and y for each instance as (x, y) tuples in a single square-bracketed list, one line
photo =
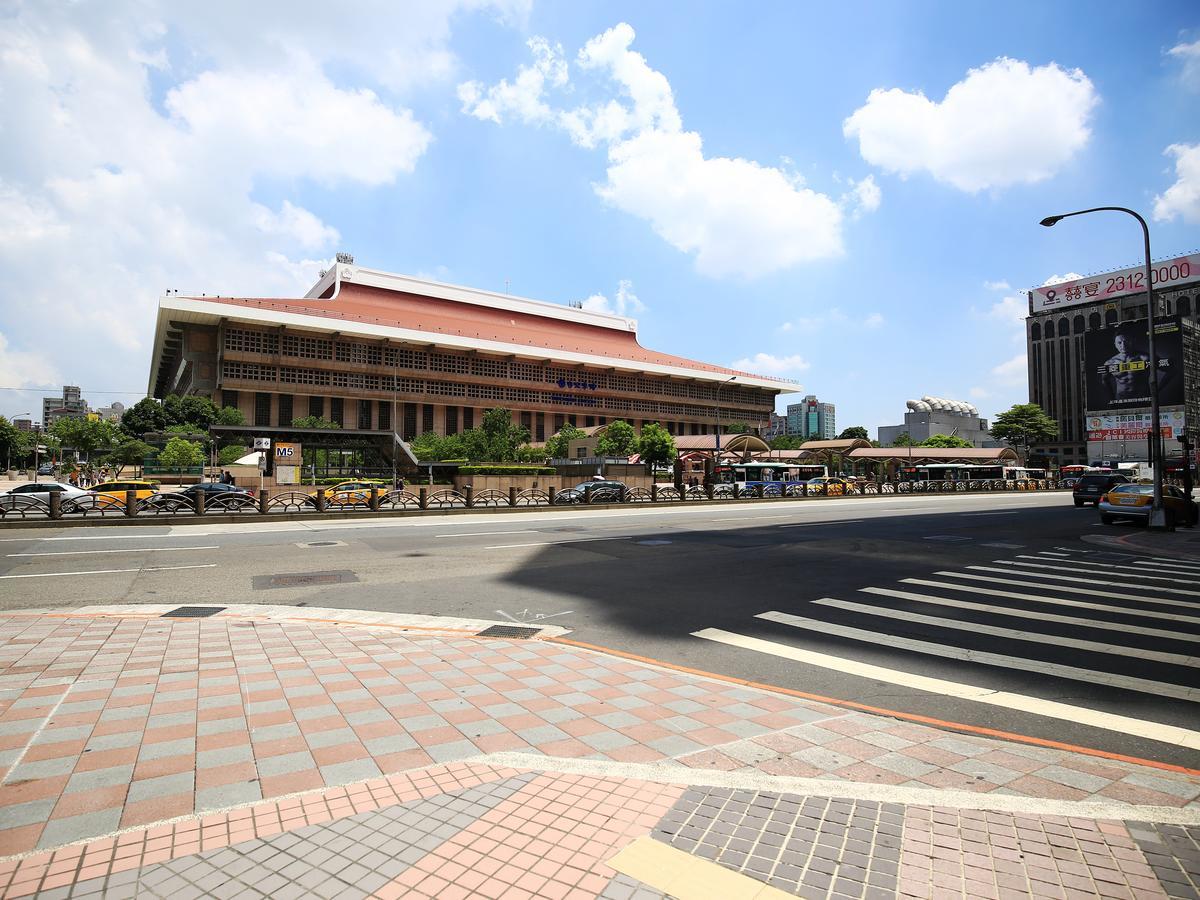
[(969, 472), (752, 474)]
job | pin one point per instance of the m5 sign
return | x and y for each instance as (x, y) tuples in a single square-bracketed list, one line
[(287, 454)]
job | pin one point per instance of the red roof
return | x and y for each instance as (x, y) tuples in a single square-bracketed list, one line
[(401, 309)]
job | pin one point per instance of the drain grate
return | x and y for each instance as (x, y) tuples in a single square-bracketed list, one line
[(509, 631), (302, 579), (322, 543), (193, 612)]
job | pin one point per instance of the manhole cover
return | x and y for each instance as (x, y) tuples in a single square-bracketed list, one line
[(509, 631), (302, 579), (193, 612), (322, 543), (652, 543)]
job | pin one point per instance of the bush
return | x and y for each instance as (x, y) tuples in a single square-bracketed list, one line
[(505, 470), (330, 480)]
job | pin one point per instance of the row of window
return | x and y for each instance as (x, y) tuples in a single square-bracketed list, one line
[(322, 378), (1076, 324), (247, 340), (415, 418)]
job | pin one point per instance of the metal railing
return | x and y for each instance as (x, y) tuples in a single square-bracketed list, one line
[(16, 507)]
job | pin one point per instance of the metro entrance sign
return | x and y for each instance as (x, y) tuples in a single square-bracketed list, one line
[(1112, 285)]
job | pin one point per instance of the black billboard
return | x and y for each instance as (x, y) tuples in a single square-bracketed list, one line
[(1117, 364)]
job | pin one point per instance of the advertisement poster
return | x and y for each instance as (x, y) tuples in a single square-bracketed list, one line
[(1166, 274), (1133, 426), (1117, 366)]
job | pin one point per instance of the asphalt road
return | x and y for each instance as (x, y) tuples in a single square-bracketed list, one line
[(998, 611)]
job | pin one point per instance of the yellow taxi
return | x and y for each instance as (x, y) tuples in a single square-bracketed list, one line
[(1133, 501), (831, 485), (143, 489), (350, 493)]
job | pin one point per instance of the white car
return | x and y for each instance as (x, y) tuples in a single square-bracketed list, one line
[(39, 490)]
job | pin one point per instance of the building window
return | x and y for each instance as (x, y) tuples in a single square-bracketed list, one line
[(316, 407), (1049, 328), (1110, 317), (1077, 325), (229, 398), (336, 412), (527, 421), (262, 409), (451, 420), (540, 434), (364, 415), (410, 421), (559, 422), (427, 419), (1094, 320), (1035, 332), (285, 410), (589, 421), (384, 415), (468, 418), (1184, 306)]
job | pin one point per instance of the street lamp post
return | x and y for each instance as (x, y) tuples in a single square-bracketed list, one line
[(1158, 515)]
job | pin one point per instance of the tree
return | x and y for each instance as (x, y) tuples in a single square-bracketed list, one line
[(738, 428), (313, 422), (1024, 424), (227, 415), (559, 445), (854, 432), (432, 447), (656, 445), (227, 456), (181, 454), (144, 416), (945, 440), (129, 452), (502, 434), (904, 439), (10, 440), (85, 434), (617, 439), (785, 442)]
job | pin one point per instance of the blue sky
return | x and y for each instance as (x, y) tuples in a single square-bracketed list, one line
[(843, 194)]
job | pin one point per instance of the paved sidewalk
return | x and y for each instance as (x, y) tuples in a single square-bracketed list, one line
[(285, 752)]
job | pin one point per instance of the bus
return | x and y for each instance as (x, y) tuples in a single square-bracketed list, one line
[(970, 472), (752, 474)]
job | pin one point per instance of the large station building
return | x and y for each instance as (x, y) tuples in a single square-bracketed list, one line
[(379, 353)]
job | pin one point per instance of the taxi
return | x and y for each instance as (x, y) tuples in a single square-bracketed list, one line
[(830, 485), (350, 493), (142, 489), (1133, 501)]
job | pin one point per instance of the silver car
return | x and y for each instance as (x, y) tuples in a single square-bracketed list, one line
[(38, 490)]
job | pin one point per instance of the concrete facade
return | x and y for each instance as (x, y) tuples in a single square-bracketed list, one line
[(811, 419), (934, 415)]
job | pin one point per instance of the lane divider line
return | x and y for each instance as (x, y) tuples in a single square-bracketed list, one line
[(110, 571), (120, 550)]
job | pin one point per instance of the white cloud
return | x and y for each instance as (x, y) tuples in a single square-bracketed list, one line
[(833, 316), (1012, 371), (1005, 123), (978, 393), (786, 326), (1183, 197), (20, 368), (874, 320), (624, 302), (1060, 279), (1011, 310), (1189, 57), (864, 196), (737, 217), (767, 364), (997, 285), (137, 134)]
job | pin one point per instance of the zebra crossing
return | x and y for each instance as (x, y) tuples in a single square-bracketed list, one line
[(1092, 637)]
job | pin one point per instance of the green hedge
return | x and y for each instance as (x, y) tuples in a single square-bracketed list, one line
[(338, 479), (505, 470)]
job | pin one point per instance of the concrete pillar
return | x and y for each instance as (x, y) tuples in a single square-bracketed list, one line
[(374, 499), (263, 499), (320, 498), (423, 498), (469, 493), (131, 503), (56, 504), (512, 496), (199, 499)]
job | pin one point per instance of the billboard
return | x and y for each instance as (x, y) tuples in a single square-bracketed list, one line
[(1117, 366), (1095, 288), (1134, 426)]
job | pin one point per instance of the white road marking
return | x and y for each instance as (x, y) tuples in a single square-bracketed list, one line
[(1167, 734), (816, 524), (986, 657), (1010, 513), (623, 537), (1141, 573), (110, 571), (1165, 567), (1105, 565), (1052, 553), (1036, 615), (1000, 545), (1087, 591), (481, 533), (746, 518), (1178, 562), (1089, 580), (1013, 634), (122, 550), (1058, 601)]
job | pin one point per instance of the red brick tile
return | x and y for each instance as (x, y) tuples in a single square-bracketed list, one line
[(169, 733), (222, 740), (638, 753), (279, 747), (216, 776), (167, 765), (56, 750), (33, 789), (403, 760), (441, 735), (278, 785), (120, 726), (157, 809), (267, 719), (339, 753), (325, 723), (494, 743), (20, 840), (80, 802), (378, 730)]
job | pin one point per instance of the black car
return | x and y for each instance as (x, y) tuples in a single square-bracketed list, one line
[(602, 492), (213, 487), (1091, 488)]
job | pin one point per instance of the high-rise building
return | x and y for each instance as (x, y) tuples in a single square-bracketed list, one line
[(69, 406), (936, 415), (811, 419), (1087, 349)]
